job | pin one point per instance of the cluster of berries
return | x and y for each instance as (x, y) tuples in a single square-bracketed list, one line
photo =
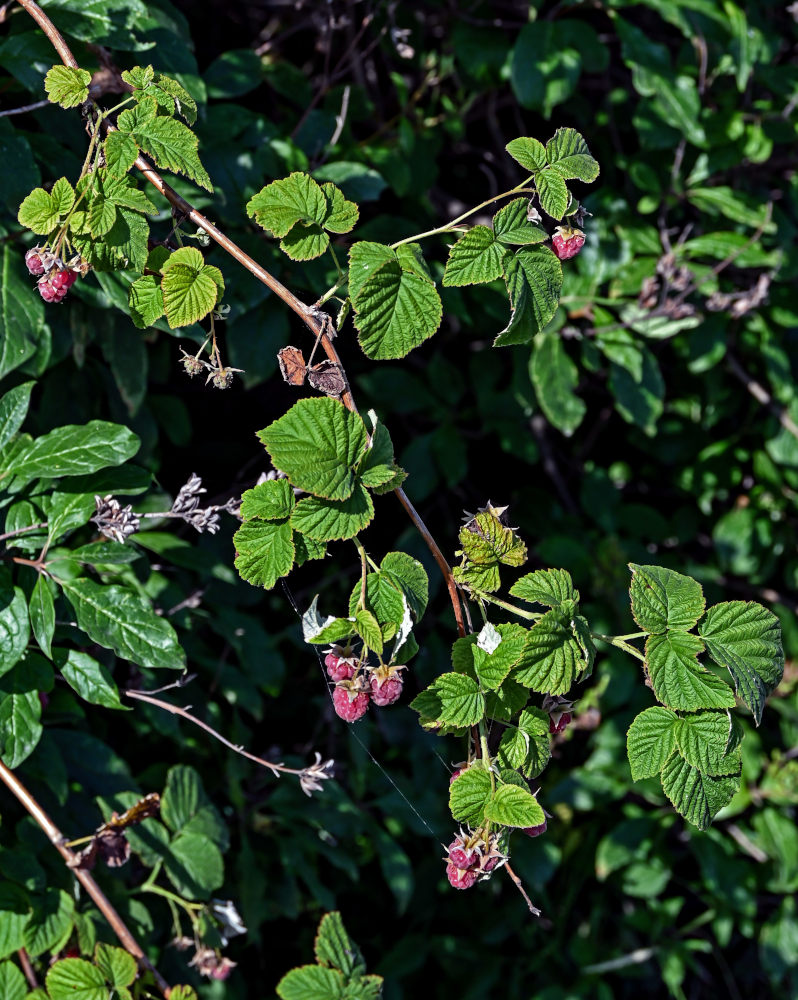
[(356, 688), (472, 858), (55, 277)]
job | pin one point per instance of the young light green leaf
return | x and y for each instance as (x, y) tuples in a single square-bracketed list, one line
[(549, 587), (12, 982), (76, 979), (42, 613), (304, 242), (650, 741), (264, 551), (526, 747), (410, 577), (368, 629), (364, 259), (530, 153), (474, 259), (330, 520), (270, 501), (492, 667), (333, 946), (462, 703), (194, 865), (282, 204), (311, 982), (118, 966), (377, 466), (694, 795), (39, 213), (469, 793), (342, 214), (511, 224), (119, 619), (13, 410), (383, 599), (514, 806), (558, 651), (395, 311), (569, 156), (20, 728), (145, 300), (191, 288), (75, 449), (664, 599), (87, 677), (555, 377), (534, 278), (317, 444), (704, 743), (553, 192), (486, 541), (171, 144), (67, 86), (678, 679), (120, 153), (745, 638)]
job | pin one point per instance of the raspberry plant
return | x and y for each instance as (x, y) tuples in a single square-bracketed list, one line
[(75, 606)]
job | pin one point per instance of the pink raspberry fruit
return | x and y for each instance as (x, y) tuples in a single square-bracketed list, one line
[(462, 857), (456, 774), (33, 261), (338, 669), (560, 725), (567, 242), (388, 692), (53, 288), (350, 709), (459, 879), (535, 831)]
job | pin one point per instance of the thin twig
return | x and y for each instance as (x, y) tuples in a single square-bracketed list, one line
[(185, 714), (98, 897), (22, 531), (520, 887), (25, 107), (761, 395), (27, 968)]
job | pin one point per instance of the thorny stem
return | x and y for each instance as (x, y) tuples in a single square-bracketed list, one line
[(276, 769), (98, 897)]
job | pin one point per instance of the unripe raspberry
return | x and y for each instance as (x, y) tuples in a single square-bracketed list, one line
[(33, 261), (350, 705), (534, 831), (567, 242), (387, 692), (338, 669), (558, 722)]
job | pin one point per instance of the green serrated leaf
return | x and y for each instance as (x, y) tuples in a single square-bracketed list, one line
[(474, 259), (678, 679), (410, 577), (39, 213), (271, 501), (121, 151), (745, 638), (194, 865), (696, 796), (170, 143), (334, 948), (50, 924), (364, 259), (526, 747), (101, 215), (530, 153), (368, 629), (704, 740), (469, 793), (145, 300), (462, 703), (87, 678), (511, 224), (264, 551), (124, 193), (76, 979), (549, 587), (555, 377), (555, 655), (395, 311), (568, 154), (663, 599), (552, 192), (118, 966), (330, 520), (305, 242), (12, 982), (67, 86), (492, 667), (119, 619), (411, 258), (514, 806), (487, 542), (312, 982), (383, 599), (282, 204), (317, 444), (650, 741), (342, 215), (377, 466), (534, 278), (191, 288)]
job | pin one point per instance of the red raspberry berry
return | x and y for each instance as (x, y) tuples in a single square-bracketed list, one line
[(462, 857), (48, 291), (33, 261), (350, 709), (535, 831), (567, 242), (387, 692), (459, 879), (561, 723), (456, 774), (338, 669)]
